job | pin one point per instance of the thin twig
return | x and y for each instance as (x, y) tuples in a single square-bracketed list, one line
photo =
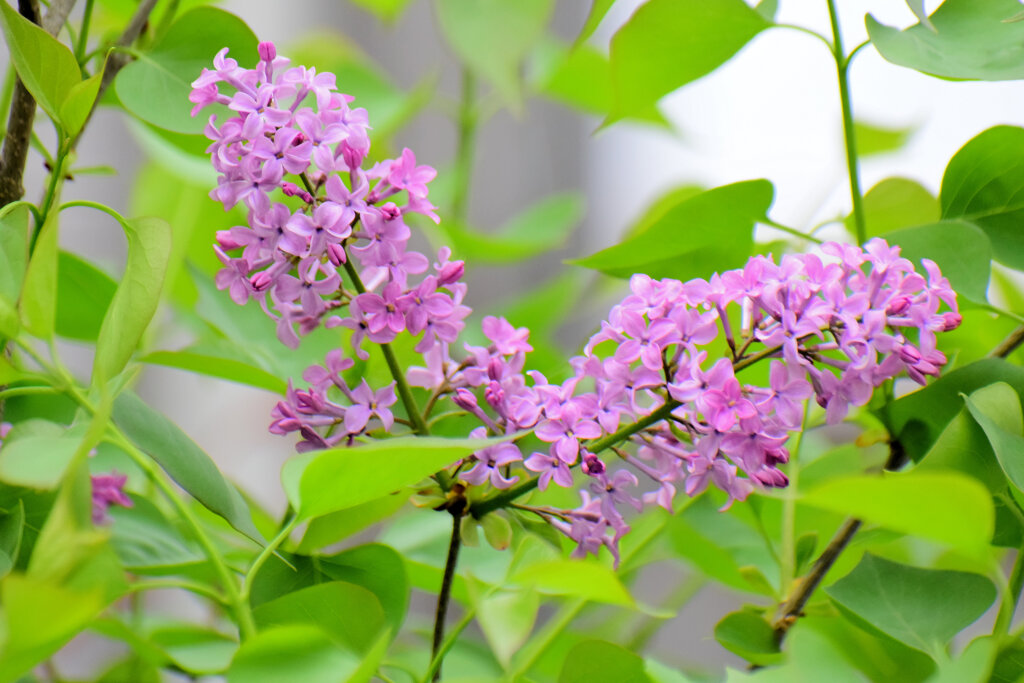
[(456, 508), (1009, 345)]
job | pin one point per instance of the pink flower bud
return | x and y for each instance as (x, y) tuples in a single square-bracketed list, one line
[(260, 281), (898, 305), (593, 465), (465, 399), (952, 321), (909, 354), (494, 394), (226, 242), (336, 254), (390, 211), (451, 272), (266, 51)]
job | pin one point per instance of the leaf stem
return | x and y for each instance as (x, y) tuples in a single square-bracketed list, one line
[(265, 554), (83, 36), (1008, 345), (192, 586), (467, 120), (444, 596), (788, 565), (1011, 597), (842, 73)]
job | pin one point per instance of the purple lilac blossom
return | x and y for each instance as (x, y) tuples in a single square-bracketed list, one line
[(833, 326), (107, 490)]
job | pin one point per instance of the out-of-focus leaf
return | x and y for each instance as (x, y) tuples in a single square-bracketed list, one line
[(38, 461), (386, 10), (84, 293), (329, 529), (915, 503), (598, 660), (137, 296), (297, 653), (962, 39), (195, 649), (896, 203), (540, 228), (74, 110), (707, 232), (46, 67), (12, 526), (899, 600), (598, 10), (491, 37), (155, 87), (183, 460), (873, 140), (216, 366), (669, 43), (1008, 444), (576, 578), (39, 294), (147, 543), (960, 249), (984, 184), (13, 262), (506, 618), (750, 636)]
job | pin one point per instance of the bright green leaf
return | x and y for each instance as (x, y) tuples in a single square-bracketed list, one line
[(84, 293), (973, 665), (966, 39), (38, 461), (385, 10), (872, 140), (703, 233), (984, 184), (14, 228), (900, 601), (155, 87), (576, 578), (1008, 444), (669, 43), (750, 636), (39, 294), (195, 649), (598, 660), (322, 482), (297, 653), (337, 526), (507, 618), (215, 366), (598, 10), (915, 503), (497, 531), (75, 109), (896, 203), (137, 296), (349, 614), (491, 37), (960, 249), (183, 460), (46, 67), (812, 658)]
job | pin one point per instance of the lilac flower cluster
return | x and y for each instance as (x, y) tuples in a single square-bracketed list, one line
[(293, 156), (107, 490)]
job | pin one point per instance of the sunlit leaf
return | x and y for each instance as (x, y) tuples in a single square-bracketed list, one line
[(960, 249)]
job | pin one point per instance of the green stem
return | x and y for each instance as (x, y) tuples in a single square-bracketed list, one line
[(449, 642), (787, 570), (191, 586), (265, 554), (792, 231), (83, 37), (843, 72), (466, 145), (26, 391)]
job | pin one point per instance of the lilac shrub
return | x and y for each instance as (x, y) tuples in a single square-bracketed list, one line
[(833, 325)]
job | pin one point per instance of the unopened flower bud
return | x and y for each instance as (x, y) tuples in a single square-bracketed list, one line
[(266, 51), (909, 354), (390, 211), (593, 465), (451, 272), (494, 394), (260, 281), (465, 399), (898, 305), (952, 321), (226, 241), (336, 254)]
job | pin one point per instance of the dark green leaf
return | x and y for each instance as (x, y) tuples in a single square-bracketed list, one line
[(322, 482), (13, 262), (155, 87), (349, 614), (297, 653), (46, 67), (983, 184), (669, 43), (491, 37), (217, 366), (966, 39), (84, 293), (137, 296), (960, 249), (896, 203), (748, 635), (598, 660), (708, 232), (915, 503), (540, 228), (183, 460), (900, 601)]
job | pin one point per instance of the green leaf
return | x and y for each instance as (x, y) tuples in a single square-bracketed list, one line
[(46, 67), (385, 10), (74, 110), (915, 503), (598, 10), (13, 262), (972, 666), (147, 543), (337, 526), (966, 39), (12, 526), (297, 653), (540, 228), (577, 578), (917, 7), (812, 658), (137, 296), (896, 203), (497, 531), (183, 460), (38, 461), (873, 140), (195, 649), (705, 554), (39, 294), (703, 233), (491, 37), (598, 660), (155, 87), (960, 249), (216, 366), (580, 78), (669, 43), (748, 635), (984, 184), (322, 482), (84, 293), (506, 618), (767, 9), (918, 418), (1008, 444), (900, 601), (349, 614)]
